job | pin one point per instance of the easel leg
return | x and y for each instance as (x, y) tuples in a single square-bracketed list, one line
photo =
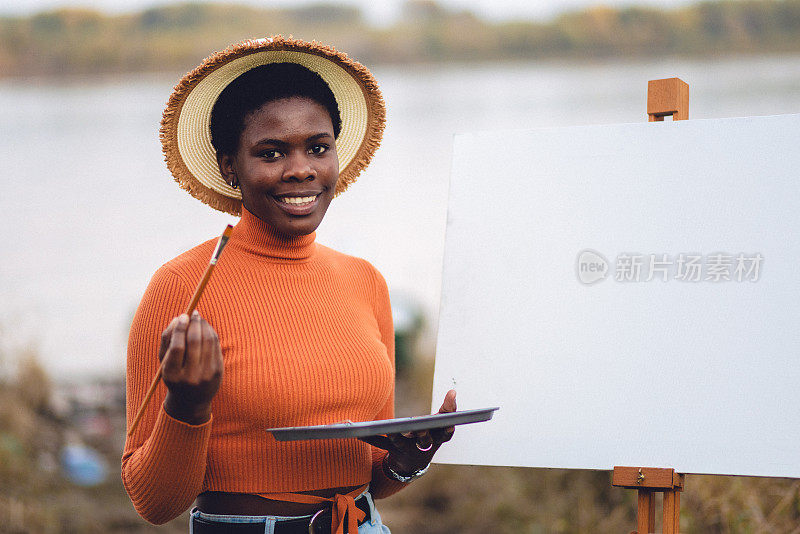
[(646, 514), (672, 512)]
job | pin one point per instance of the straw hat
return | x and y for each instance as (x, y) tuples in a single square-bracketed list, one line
[(186, 137)]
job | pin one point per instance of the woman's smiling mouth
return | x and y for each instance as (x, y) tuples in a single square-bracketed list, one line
[(298, 205), (298, 200)]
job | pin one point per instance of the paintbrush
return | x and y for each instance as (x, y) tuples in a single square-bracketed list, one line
[(223, 240)]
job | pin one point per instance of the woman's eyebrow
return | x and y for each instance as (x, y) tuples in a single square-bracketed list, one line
[(269, 141), (278, 142)]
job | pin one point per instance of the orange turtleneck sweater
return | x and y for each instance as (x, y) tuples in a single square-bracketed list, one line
[(307, 339)]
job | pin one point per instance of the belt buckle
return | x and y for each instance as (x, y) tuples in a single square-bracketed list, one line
[(311, 521)]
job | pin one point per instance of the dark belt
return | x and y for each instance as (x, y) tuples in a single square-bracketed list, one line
[(319, 523)]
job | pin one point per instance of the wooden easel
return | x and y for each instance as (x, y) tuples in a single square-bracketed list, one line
[(667, 97), (664, 97), (649, 481)]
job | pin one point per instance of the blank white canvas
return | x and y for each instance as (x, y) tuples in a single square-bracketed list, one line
[(699, 376)]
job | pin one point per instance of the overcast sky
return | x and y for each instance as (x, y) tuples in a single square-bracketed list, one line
[(378, 11)]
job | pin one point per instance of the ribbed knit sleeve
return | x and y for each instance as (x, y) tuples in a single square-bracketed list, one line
[(164, 461), (380, 486)]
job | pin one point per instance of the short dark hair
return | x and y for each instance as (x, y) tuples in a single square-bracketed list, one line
[(258, 86)]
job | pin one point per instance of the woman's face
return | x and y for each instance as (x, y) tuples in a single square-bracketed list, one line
[(286, 165)]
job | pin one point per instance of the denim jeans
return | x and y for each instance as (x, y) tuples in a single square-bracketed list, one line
[(374, 526)]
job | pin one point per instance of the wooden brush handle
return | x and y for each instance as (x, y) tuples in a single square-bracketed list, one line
[(146, 401), (189, 309)]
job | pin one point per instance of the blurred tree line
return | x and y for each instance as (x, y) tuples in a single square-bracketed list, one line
[(176, 37)]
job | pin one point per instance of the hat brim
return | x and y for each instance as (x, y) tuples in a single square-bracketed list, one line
[(186, 136)]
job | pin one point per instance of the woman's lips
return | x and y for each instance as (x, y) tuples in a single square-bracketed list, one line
[(298, 205)]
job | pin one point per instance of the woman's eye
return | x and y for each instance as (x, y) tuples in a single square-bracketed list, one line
[(271, 154), (318, 149)]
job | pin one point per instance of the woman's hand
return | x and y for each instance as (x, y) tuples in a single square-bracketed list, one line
[(192, 368), (411, 451)]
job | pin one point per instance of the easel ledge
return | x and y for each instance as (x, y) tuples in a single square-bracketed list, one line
[(649, 481), (664, 98)]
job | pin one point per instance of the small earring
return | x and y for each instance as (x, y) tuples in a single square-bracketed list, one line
[(234, 184)]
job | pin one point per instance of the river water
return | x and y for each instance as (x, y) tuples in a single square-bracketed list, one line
[(89, 211)]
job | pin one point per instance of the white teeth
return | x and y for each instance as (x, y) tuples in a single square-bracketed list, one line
[(298, 200)]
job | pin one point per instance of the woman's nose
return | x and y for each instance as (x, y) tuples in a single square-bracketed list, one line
[(299, 169)]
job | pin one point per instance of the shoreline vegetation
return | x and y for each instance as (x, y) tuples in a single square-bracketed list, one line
[(77, 41)]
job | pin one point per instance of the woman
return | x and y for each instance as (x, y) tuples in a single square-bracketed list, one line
[(302, 334)]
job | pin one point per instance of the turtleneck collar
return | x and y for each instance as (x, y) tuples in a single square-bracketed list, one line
[(258, 237)]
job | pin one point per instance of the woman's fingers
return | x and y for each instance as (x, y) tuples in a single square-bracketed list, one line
[(192, 361), (166, 337), (398, 441), (193, 356), (411, 451), (173, 359), (424, 441), (211, 354), (382, 442), (394, 443), (449, 403), (192, 369), (441, 435)]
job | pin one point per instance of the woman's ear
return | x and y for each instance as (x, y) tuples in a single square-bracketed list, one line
[(227, 169)]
